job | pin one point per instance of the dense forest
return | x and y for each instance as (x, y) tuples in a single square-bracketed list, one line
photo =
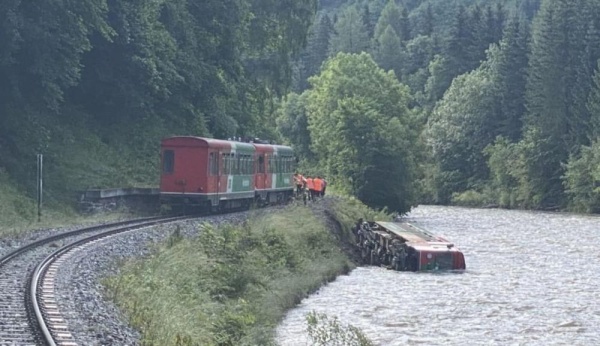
[(504, 97), (397, 102), (95, 84)]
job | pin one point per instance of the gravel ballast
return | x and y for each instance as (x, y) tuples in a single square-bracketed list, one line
[(92, 319)]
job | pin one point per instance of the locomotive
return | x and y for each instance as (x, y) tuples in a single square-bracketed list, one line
[(206, 174)]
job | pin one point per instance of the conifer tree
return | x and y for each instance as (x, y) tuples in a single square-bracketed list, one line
[(316, 51), (367, 20), (388, 51), (555, 89), (593, 106), (404, 26), (510, 74), (392, 16), (350, 33)]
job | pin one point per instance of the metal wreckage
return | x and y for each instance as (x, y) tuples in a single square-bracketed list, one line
[(403, 246)]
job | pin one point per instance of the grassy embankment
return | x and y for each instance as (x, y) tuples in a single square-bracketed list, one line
[(232, 285), (83, 156), (19, 213)]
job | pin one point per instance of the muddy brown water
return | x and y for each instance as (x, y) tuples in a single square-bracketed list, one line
[(532, 278)]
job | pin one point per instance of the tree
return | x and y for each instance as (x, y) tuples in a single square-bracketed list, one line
[(593, 106), (350, 34), (388, 51), (292, 123), (316, 49), (510, 67), (367, 21), (392, 15), (459, 128), (557, 88), (582, 179), (362, 131)]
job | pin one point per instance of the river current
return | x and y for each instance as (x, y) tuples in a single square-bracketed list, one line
[(532, 278)]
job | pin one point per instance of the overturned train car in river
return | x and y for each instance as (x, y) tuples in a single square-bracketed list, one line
[(406, 247)]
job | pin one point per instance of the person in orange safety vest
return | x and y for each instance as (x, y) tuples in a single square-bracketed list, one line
[(318, 182), (310, 184)]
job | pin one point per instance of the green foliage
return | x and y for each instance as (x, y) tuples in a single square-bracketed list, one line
[(388, 51), (582, 179), (13, 206), (292, 123), (232, 284), (593, 105), (471, 198), (326, 331), (94, 84), (362, 131), (558, 86), (317, 49), (460, 127), (351, 34), (391, 16)]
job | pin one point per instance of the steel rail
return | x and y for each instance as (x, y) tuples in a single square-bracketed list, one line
[(10, 297), (38, 274), (5, 259)]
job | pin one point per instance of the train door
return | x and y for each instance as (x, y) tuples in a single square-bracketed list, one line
[(260, 172), (214, 168)]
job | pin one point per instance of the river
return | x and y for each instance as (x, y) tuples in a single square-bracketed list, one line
[(532, 278)]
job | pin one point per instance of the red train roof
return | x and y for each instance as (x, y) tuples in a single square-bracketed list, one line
[(191, 141)]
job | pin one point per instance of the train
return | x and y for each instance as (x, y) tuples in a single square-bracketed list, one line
[(215, 175), (404, 246)]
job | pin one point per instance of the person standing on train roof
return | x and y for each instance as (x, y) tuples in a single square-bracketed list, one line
[(318, 186)]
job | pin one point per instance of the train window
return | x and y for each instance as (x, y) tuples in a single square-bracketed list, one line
[(226, 164), (213, 164), (233, 164), (168, 161), (247, 162)]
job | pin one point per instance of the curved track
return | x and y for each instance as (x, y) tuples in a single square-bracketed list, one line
[(23, 285)]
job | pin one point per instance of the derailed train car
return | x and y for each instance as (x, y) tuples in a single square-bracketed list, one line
[(406, 247), (215, 175)]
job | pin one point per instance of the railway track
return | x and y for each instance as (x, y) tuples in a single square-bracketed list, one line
[(29, 314)]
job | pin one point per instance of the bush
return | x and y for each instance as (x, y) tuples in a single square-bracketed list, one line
[(232, 284), (326, 331)]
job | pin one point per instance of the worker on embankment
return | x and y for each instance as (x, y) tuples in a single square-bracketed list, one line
[(300, 182), (310, 184), (318, 183)]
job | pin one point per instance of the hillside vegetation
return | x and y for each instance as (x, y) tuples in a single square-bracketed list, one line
[(397, 102), (504, 96), (94, 85)]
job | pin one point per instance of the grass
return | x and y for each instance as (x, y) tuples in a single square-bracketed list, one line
[(19, 213), (232, 285)]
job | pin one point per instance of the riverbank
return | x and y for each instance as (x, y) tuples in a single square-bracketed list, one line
[(233, 284)]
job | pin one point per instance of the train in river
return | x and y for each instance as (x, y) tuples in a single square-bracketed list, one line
[(213, 175), (404, 246)]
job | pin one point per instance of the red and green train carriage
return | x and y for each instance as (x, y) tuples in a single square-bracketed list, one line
[(215, 174)]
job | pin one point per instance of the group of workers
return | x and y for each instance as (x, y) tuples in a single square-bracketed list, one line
[(309, 187)]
